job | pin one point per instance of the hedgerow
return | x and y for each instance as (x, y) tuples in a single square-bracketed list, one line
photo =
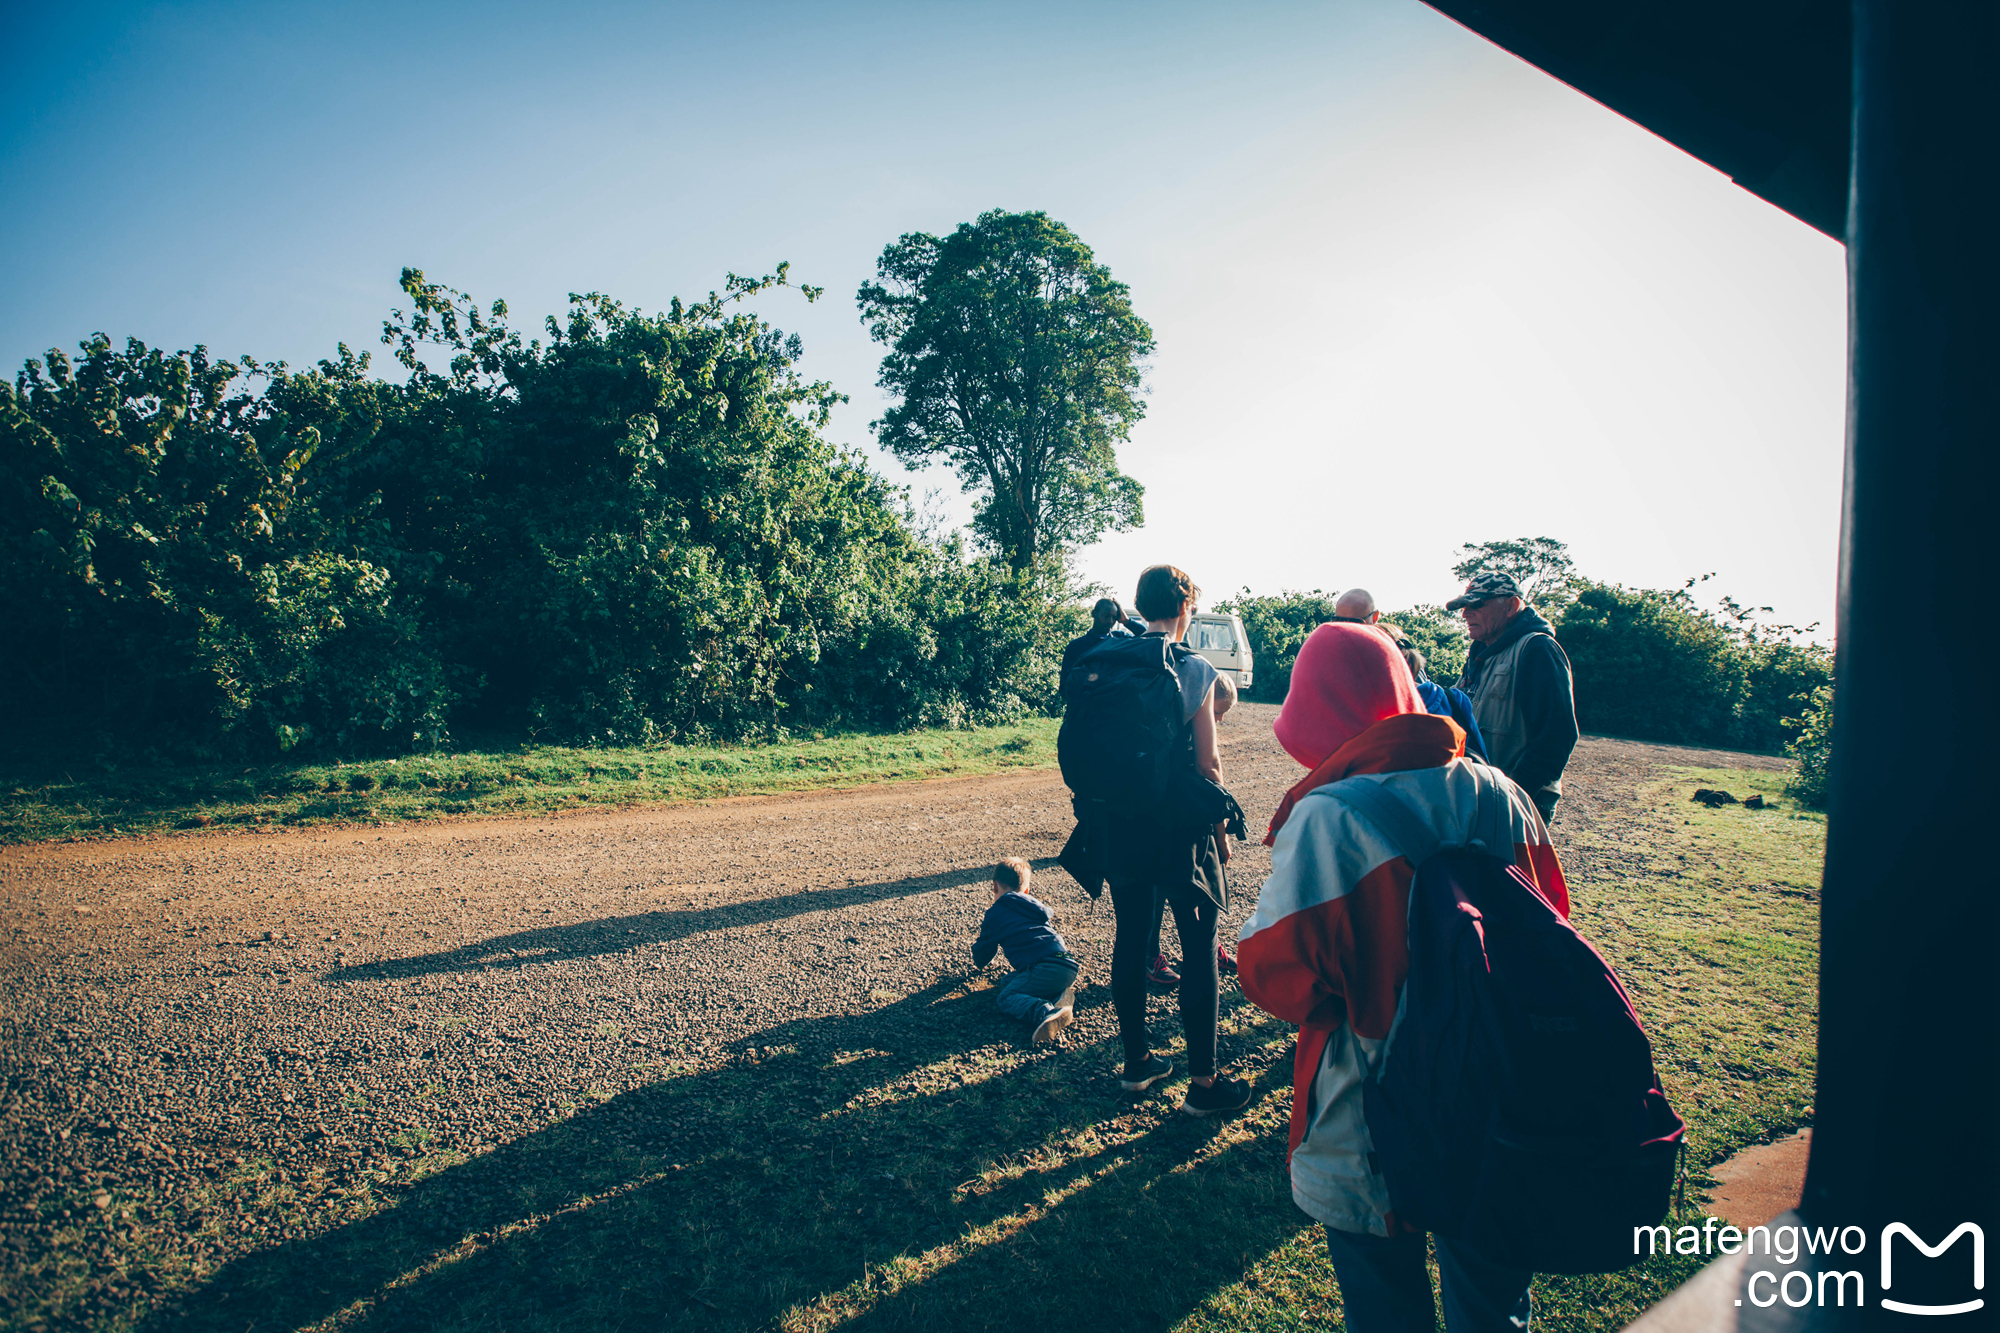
[(630, 530)]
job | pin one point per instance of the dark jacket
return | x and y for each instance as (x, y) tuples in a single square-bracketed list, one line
[(1529, 734), (1454, 703), (1020, 925)]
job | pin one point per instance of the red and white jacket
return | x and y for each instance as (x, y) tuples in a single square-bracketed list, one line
[(1327, 947)]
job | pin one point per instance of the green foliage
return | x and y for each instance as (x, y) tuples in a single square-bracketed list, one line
[(167, 559), (1653, 664), (1277, 628), (1439, 635), (627, 532), (1016, 358), (1540, 565), (1812, 746)]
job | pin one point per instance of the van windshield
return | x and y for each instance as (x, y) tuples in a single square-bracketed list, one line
[(1217, 636)]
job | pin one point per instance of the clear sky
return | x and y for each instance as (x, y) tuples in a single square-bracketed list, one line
[(1408, 291)]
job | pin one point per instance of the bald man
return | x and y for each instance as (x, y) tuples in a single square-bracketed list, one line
[(1356, 606)]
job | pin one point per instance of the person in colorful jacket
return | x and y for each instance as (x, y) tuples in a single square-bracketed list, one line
[(1327, 949)]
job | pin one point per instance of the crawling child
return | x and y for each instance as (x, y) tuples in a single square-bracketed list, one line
[(1043, 987)]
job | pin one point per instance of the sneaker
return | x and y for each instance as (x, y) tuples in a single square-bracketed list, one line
[(1218, 1098), (1058, 1017), (1146, 1075), (1225, 961), (1162, 973)]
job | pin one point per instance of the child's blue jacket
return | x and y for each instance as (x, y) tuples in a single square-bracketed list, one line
[(1020, 925)]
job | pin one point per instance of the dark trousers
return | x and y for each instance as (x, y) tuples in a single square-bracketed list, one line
[(1384, 1288), (1196, 917)]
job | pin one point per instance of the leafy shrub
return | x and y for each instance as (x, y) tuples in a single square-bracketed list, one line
[(167, 563), (1439, 635), (629, 531), (1653, 664), (1277, 628), (1812, 746)]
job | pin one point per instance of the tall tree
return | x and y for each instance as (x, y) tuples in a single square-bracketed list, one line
[(1541, 565), (1016, 358)]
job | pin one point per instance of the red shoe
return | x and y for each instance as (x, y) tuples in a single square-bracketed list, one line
[(1225, 961), (1162, 973)]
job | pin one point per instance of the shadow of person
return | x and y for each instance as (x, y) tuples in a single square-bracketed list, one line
[(730, 1196), (620, 934)]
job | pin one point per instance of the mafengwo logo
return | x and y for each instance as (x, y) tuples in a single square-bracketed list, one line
[(1895, 1229), (1823, 1282)]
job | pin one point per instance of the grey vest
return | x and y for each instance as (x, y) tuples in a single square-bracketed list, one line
[(1498, 712)]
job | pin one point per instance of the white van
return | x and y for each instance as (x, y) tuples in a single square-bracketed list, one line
[(1221, 640)]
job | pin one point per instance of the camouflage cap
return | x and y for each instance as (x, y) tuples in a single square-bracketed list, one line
[(1484, 588)]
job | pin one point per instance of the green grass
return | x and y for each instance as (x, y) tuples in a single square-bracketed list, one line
[(106, 797), (918, 1168)]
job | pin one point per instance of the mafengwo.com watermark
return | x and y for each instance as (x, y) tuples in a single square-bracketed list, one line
[(1824, 1282)]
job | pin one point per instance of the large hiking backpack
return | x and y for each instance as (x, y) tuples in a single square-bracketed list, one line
[(1517, 1109), (1122, 733)]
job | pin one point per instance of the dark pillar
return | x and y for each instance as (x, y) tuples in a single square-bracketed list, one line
[(1907, 1122)]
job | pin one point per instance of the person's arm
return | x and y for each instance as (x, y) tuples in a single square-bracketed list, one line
[(1548, 710), (1207, 756), (988, 942), (1208, 760)]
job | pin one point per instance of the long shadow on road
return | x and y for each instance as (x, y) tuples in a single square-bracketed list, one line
[(895, 1168), (618, 934)]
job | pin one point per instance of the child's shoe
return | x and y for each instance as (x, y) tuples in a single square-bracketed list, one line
[(1225, 961), (1162, 973), (1055, 1018), (1218, 1098), (1146, 1075)]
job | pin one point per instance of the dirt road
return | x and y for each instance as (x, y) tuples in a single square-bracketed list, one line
[(318, 1006)]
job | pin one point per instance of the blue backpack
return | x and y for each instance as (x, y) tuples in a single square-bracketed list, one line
[(1517, 1109)]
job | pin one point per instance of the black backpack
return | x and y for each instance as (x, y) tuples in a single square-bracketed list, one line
[(1123, 739)]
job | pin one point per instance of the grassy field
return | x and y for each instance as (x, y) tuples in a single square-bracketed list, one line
[(996, 1186), (107, 797)]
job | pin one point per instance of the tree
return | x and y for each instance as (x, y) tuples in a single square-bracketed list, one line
[(1016, 358), (1541, 565)]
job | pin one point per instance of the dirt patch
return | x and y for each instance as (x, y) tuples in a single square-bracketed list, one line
[(216, 1044), (1758, 1183)]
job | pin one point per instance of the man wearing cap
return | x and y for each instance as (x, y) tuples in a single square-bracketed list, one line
[(1519, 680)]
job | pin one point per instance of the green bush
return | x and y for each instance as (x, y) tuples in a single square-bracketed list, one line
[(169, 562), (1812, 746), (630, 531), (1277, 628), (1439, 635), (1653, 664)]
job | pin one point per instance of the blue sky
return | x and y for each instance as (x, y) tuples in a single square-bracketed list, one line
[(1408, 291)]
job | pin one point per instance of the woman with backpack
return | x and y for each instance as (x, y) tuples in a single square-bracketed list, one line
[(1152, 858), (1327, 949)]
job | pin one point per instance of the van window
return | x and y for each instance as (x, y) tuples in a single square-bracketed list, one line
[(1218, 636)]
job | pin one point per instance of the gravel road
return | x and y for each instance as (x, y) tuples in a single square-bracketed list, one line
[(319, 1008)]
